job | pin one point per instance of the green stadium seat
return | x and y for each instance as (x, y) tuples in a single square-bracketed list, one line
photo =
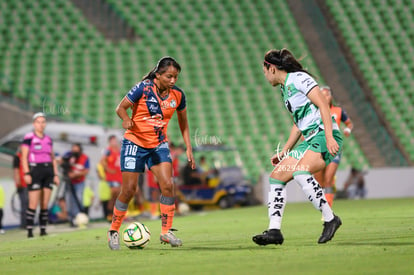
[(387, 50), (80, 62)]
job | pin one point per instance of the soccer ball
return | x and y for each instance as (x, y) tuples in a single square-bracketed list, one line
[(136, 236), (183, 208), (81, 220)]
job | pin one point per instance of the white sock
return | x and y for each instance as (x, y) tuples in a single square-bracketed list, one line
[(276, 203), (314, 192)]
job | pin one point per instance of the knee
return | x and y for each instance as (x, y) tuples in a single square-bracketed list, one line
[(167, 187), (128, 191)]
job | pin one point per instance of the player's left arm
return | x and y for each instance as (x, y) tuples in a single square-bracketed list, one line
[(185, 131), (319, 100), (348, 122)]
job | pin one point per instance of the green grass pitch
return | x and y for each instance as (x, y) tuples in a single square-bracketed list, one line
[(377, 237)]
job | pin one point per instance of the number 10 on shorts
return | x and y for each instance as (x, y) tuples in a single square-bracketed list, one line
[(131, 150)]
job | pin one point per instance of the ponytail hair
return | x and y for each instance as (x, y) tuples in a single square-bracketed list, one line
[(283, 60), (162, 67)]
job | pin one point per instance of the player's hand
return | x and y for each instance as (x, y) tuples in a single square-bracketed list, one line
[(347, 132), (332, 146), (127, 124), (276, 158), (28, 179), (190, 159), (56, 180)]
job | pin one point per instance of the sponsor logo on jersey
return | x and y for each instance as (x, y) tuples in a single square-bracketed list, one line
[(38, 147), (152, 99), (134, 89), (130, 163), (35, 186), (155, 120), (308, 83), (153, 107)]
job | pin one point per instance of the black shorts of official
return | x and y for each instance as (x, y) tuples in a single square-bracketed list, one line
[(42, 176)]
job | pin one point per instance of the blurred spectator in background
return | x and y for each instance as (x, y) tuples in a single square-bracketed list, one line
[(191, 176), (21, 187), (79, 168), (88, 197), (1, 209), (111, 163), (176, 152), (210, 175), (104, 192), (204, 166), (355, 184), (58, 213)]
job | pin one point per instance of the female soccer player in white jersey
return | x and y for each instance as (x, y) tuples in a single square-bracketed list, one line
[(323, 140)]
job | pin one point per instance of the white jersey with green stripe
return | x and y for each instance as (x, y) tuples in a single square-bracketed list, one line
[(305, 114)]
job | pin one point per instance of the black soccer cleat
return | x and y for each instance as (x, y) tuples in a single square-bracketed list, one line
[(271, 236), (329, 229)]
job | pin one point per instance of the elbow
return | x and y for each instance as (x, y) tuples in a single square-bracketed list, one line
[(117, 109)]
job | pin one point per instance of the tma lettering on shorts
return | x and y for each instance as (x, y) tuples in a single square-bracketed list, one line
[(131, 150), (130, 163)]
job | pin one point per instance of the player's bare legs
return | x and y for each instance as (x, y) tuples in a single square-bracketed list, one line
[(128, 188), (163, 172)]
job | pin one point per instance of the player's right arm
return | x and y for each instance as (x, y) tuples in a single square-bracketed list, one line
[(127, 102), (121, 111), (25, 164), (294, 136)]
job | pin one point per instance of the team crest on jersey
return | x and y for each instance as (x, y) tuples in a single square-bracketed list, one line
[(165, 104), (289, 91), (173, 103)]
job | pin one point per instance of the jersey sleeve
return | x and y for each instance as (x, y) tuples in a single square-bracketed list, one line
[(183, 103), (27, 141), (135, 93), (344, 116), (305, 83), (16, 162), (107, 153)]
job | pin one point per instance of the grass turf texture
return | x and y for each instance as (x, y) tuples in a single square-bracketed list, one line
[(377, 237)]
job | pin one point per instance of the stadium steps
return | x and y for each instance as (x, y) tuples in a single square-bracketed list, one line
[(72, 62), (380, 39), (106, 20), (369, 127), (329, 62), (211, 41)]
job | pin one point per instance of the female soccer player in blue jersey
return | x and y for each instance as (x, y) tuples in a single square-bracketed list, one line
[(153, 101), (312, 119)]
